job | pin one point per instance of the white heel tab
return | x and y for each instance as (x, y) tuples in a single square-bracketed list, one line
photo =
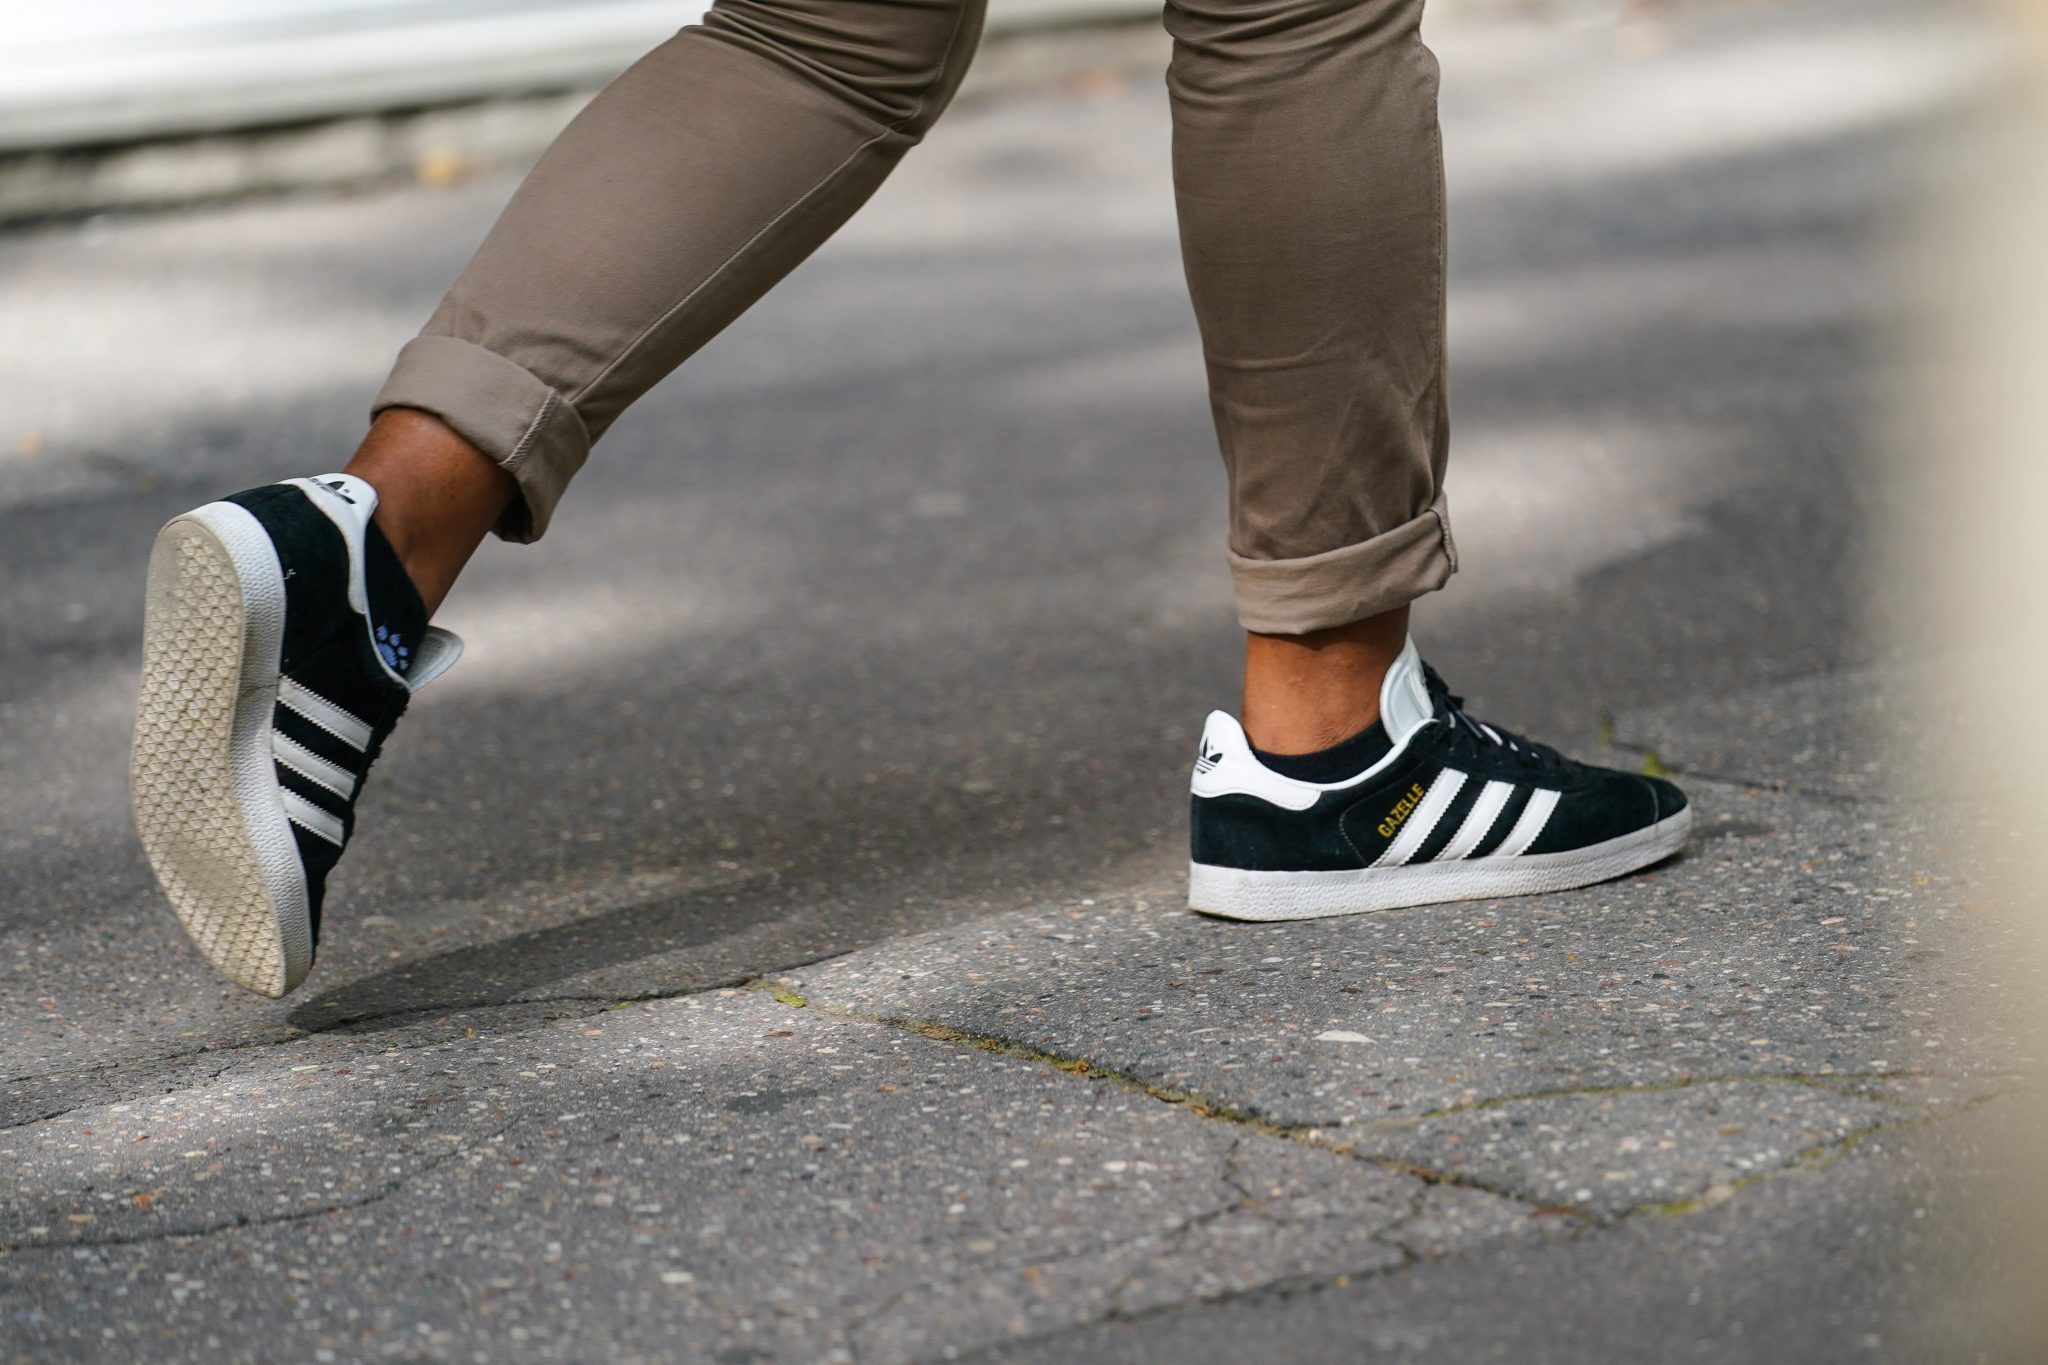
[(1221, 731), (347, 502), (1226, 766), (437, 652), (344, 497), (1405, 706), (1223, 739)]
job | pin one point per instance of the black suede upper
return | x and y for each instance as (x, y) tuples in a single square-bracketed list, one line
[(328, 648), (1352, 827)]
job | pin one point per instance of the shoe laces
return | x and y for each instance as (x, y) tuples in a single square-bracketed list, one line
[(1473, 736)]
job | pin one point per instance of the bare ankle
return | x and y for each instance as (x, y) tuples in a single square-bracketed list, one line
[(1308, 692), (437, 495)]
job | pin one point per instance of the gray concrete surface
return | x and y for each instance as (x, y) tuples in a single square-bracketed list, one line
[(764, 945), (753, 1182), (1852, 1261)]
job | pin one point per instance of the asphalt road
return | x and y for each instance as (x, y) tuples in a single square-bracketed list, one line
[(881, 634)]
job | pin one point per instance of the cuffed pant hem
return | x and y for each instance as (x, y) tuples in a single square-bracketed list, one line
[(1337, 587), (503, 409)]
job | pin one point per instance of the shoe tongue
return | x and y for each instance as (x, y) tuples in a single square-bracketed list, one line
[(1404, 696), (438, 651)]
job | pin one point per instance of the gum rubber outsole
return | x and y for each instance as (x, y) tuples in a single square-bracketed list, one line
[(1243, 894), (204, 785)]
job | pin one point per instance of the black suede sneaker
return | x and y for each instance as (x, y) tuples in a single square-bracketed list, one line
[(281, 642), (1457, 810)]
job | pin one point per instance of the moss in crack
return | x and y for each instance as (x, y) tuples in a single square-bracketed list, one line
[(1721, 1191), (1081, 1066), (1847, 1084), (1073, 1066), (1318, 1137), (1308, 1135), (1816, 1158), (1430, 1175)]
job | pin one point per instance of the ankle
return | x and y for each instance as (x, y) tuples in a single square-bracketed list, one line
[(1308, 692), (437, 496), (1335, 762), (1307, 729)]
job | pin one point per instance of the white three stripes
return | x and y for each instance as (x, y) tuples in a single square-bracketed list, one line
[(324, 714), (1493, 799), (310, 816), (1423, 819), (1535, 816), (311, 766), (307, 764)]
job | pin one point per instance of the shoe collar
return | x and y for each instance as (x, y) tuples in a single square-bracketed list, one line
[(1405, 704), (1227, 765), (349, 502)]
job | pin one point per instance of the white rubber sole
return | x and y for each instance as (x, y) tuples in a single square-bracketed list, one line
[(205, 791), (1235, 893)]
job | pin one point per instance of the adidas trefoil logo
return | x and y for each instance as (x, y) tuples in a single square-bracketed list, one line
[(1206, 761)]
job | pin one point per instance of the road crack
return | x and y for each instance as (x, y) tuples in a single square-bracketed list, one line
[(383, 1192), (1321, 1137)]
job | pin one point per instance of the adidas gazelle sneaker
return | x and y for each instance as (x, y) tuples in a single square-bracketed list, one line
[(1458, 810), (268, 689)]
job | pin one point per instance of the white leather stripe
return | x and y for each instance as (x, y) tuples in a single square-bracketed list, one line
[(1535, 816), (311, 766), (1493, 799), (1413, 834), (324, 714), (309, 816)]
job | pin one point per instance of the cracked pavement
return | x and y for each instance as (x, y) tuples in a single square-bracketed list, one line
[(699, 991)]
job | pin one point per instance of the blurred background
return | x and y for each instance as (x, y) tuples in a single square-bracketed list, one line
[(110, 105), (1745, 320)]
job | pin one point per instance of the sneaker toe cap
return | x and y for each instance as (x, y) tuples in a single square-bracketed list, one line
[(1608, 806), (1670, 800)]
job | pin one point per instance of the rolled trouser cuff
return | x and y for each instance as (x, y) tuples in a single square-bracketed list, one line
[(503, 409), (1350, 583)]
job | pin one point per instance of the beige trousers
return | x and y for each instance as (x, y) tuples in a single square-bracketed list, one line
[(1308, 176)]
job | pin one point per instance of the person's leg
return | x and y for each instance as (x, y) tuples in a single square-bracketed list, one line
[(286, 626), (1310, 691), (1308, 176), (438, 496), (1312, 222), (685, 190)]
